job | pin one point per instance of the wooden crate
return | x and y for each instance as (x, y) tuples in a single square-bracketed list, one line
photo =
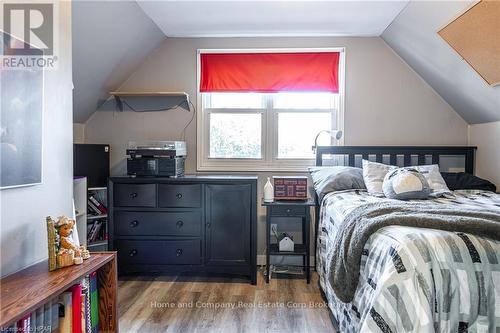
[(290, 187)]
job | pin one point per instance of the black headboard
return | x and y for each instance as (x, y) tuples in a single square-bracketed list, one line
[(350, 152)]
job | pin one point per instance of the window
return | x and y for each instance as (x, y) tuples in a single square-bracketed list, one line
[(241, 131)]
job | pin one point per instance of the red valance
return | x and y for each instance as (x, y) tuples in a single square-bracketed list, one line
[(269, 72)]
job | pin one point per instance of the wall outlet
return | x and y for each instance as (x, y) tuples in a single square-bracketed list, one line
[(274, 229)]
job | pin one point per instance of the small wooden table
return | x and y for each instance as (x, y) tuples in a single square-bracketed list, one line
[(292, 209), (25, 291)]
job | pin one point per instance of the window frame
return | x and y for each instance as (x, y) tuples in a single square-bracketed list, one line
[(269, 160)]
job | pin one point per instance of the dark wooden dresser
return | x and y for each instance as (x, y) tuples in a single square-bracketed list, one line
[(194, 223)]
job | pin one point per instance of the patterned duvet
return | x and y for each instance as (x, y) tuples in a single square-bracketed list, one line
[(413, 279)]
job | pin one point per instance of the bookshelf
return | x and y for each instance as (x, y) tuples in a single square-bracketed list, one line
[(25, 291), (97, 220), (80, 201)]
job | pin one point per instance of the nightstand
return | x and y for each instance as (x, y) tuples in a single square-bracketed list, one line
[(290, 209)]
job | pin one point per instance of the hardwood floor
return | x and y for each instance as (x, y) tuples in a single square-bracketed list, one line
[(213, 304)]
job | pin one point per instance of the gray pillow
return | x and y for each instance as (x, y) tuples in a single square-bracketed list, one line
[(336, 178), (406, 184)]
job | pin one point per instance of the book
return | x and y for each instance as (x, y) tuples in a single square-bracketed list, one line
[(94, 231), (65, 312), (94, 305), (86, 292), (47, 317), (37, 326), (93, 208), (23, 324), (76, 316), (54, 320), (99, 205)]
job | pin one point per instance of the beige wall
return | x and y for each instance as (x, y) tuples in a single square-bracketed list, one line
[(386, 102), (78, 133), (23, 210), (487, 139)]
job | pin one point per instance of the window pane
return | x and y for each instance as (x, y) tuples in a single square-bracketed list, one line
[(304, 100), (234, 101), (296, 133), (235, 135)]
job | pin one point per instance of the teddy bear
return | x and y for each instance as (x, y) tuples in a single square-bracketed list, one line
[(68, 251)]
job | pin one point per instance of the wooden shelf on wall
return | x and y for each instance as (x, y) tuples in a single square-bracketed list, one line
[(27, 290), (150, 93), (144, 101)]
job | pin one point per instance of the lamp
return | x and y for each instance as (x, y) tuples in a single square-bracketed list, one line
[(337, 135)]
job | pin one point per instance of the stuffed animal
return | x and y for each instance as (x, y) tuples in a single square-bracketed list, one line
[(62, 250)]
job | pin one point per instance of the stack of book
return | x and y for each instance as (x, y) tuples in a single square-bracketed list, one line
[(75, 311), (95, 205), (96, 231)]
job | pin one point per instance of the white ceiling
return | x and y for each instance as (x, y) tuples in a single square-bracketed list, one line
[(272, 18)]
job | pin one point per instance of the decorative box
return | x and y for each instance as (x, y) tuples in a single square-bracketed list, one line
[(290, 187)]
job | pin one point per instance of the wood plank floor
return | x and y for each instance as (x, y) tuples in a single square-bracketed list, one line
[(214, 304)]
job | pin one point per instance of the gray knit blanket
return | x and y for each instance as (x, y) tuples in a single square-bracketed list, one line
[(365, 220)]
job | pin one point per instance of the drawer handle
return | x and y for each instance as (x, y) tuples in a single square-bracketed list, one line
[(132, 253), (134, 223), (179, 224), (178, 252), (179, 195), (133, 195), (288, 211)]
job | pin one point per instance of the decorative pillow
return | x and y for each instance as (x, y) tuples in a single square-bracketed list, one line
[(466, 181), (336, 178), (374, 173), (405, 184), (434, 178)]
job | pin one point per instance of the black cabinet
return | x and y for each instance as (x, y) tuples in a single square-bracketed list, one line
[(193, 223), (228, 224)]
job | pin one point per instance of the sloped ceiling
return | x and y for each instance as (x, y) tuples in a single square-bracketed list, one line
[(110, 40), (413, 35)]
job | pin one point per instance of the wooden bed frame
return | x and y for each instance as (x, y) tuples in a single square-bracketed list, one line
[(350, 153), (394, 151)]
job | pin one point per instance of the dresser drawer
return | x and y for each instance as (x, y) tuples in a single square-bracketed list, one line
[(288, 210), (134, 195), (156, 252), (157, 223), (183, 195)]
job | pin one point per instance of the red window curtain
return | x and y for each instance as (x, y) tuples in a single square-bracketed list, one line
[(269, 72)]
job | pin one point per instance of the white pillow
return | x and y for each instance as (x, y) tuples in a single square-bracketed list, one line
[(374, 174)]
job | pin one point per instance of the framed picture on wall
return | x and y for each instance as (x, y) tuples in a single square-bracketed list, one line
[(21, 123)]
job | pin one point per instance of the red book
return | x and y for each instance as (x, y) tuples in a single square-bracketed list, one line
[(23, 325), (76, 295)]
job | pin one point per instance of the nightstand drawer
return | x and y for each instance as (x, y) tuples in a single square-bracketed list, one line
[(134, 195), (161, 252), (288, 210), (185, 195), (157, 223)]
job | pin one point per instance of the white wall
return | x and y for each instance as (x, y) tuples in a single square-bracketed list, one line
[(386, 102), (487, 139), (23, 210)]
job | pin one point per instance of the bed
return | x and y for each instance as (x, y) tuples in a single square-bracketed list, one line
[(412, 279)]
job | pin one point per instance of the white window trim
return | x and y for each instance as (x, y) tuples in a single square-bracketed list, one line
[(267, 163)]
